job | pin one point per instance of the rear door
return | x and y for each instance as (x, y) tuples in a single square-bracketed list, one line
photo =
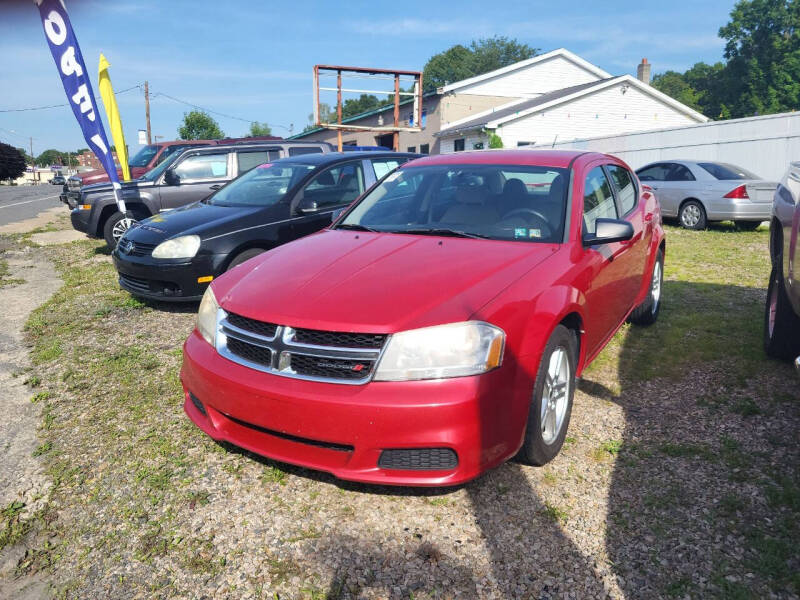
[(672, 183), (332, 188), (198, 176)]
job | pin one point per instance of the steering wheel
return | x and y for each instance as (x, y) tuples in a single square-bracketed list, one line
[(543, 223)]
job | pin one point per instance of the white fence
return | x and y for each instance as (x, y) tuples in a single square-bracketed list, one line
[(764, 145)]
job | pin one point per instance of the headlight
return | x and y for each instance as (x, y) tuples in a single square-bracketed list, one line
[(185, 246), (207, 317), (453, 350)]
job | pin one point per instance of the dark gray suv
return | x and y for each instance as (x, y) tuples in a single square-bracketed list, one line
[(188, 177)]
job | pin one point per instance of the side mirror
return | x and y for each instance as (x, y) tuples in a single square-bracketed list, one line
[(307, 206), (608, 231), (171, 178)]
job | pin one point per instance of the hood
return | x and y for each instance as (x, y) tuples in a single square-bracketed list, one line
[(100, 175), (375, 282), (107, 187), (201, 219)]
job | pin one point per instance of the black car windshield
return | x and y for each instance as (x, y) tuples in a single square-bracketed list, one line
[(726, 172), (500, 202), (265, 185), (143, 156)]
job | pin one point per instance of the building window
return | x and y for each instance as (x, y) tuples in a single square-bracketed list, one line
[(458, 145), (520, 144), (424, 149), (411, 149)]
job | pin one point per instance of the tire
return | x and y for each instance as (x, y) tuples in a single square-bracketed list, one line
[(243, 256), (781, 324), (115, 226), (747, 225), (647, 312), (559, 358), (692, 215)]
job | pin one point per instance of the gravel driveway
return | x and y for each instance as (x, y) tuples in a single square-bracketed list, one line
[(679, 477)]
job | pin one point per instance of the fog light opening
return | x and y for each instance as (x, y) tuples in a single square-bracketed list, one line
[(197, 404)]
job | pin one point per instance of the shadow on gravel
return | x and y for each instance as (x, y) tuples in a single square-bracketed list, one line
[(704, 498)]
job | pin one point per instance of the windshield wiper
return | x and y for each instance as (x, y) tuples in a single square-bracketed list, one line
[(444, 231), (356, 227)]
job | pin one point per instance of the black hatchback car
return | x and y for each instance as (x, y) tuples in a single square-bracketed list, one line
[(174, 255)]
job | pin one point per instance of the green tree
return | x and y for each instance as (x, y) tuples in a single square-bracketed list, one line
[(674, 84), (495, 141), (762, 47), (459, 62), (198, 125), (356, 106), (258, 129), (12, 162), (51, 157)]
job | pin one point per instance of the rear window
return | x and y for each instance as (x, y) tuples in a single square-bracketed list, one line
[(727, 172)]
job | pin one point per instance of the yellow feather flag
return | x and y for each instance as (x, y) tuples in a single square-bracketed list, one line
[(112, 112)]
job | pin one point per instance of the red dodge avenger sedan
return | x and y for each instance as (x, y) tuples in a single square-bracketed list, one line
[(437, 328)]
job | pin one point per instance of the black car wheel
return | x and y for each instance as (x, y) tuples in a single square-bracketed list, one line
[(781, 324), (551, 401), (115, 227), (692, 215), (246, 255), (647, 312)]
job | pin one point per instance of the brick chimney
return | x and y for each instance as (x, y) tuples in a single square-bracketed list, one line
[(643, 71)]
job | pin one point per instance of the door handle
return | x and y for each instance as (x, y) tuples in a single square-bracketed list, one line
[(215, 187)]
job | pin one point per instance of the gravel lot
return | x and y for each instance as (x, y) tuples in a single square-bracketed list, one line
[(679, 477)]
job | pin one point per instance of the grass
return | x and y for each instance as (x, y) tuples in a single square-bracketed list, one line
[(5, 280), (116, 445)]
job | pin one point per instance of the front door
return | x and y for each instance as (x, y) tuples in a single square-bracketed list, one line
[(198, 175), (610, 290), (331, 189)]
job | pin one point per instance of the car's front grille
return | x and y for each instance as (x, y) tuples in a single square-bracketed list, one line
[(128, 247), (338, 338), (134, 283), (336, 357), (253, 326)]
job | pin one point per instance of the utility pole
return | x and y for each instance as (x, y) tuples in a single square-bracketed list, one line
[(33, 162), (147, 110)]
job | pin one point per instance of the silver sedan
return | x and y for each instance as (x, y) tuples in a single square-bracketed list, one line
[(697, 192)]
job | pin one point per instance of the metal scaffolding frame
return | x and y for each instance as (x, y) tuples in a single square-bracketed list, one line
[(329, 70)]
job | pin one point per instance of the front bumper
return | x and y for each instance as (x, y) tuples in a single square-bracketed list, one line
[(170, 281), (80, 220), (344, 429), (734, 209), (71, 199)]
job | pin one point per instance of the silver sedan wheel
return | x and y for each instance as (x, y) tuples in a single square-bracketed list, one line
[(655, 286), (690, 215), (555, 395), (120, 227)]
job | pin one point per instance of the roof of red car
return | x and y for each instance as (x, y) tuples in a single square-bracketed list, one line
[(545, 158)]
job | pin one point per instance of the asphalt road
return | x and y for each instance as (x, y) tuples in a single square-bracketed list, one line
[(25, 201)]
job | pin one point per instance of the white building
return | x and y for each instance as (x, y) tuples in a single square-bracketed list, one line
[(551, 98)]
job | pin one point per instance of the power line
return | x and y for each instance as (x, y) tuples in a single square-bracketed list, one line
[(8, 110)]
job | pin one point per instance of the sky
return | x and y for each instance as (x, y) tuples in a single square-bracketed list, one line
[(253, 61)]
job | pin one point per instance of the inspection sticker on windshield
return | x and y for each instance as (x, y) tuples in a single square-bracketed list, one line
[(534, 233), (520, 232)]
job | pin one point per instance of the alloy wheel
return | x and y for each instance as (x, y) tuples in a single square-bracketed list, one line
[(120, 227), (655, 287), (555, 395)]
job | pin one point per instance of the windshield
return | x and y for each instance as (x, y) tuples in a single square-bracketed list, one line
[(143, 156), (500, 202), (265, 185), (725, 172)]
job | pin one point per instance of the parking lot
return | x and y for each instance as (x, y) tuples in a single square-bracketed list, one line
[(678, 478)]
